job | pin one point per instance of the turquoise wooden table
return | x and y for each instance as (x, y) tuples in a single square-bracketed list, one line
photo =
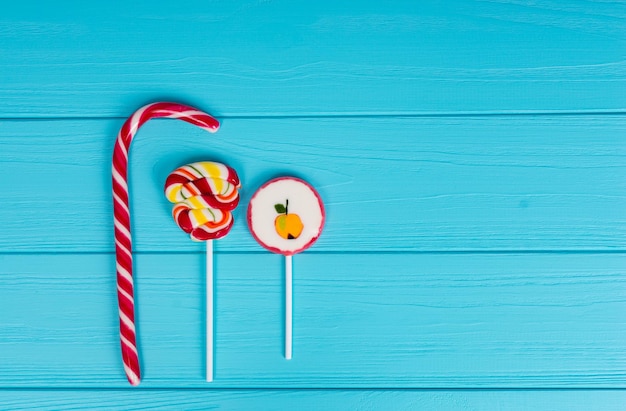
[(471, 155)]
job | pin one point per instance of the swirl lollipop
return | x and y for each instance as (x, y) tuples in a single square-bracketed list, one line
[(204, 194), (286, 216)]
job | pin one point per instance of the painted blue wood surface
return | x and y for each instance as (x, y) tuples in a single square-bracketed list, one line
[(453, 183), (324, 57), (314, 400), (391, 320), (471, 156)]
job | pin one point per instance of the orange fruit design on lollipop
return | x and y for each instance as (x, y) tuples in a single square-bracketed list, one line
[(288, 226)]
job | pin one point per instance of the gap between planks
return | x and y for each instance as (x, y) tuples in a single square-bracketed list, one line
[(330, 115), (394, 252)]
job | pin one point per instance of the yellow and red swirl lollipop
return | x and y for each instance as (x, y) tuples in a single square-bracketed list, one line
[(204, 194)]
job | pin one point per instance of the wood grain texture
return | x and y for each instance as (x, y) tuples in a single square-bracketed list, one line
[(470, 153), (280, 57), (304, 400), (361, 321), (389, 184)]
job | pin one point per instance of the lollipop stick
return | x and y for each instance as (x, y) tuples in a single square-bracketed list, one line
[(209, 310), (288, 306)]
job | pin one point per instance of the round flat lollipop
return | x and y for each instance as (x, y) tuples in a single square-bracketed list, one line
[(286, 215)]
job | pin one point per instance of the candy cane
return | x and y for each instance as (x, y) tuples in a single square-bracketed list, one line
[(121, 213)]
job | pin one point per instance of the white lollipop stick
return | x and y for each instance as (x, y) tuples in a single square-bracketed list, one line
[(209, 310), (288, 306)]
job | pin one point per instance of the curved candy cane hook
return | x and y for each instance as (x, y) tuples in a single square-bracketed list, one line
[(121, 214)]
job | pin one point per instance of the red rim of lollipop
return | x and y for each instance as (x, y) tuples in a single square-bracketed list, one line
[(277, 250)]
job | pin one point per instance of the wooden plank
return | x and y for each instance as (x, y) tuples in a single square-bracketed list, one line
[(327, 57), (303, 400), (360, 321), (389, 184)]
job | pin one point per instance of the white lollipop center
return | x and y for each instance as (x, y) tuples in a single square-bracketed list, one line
[(286, 215)]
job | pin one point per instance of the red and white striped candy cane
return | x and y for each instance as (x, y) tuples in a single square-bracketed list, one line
[(121, 213)]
